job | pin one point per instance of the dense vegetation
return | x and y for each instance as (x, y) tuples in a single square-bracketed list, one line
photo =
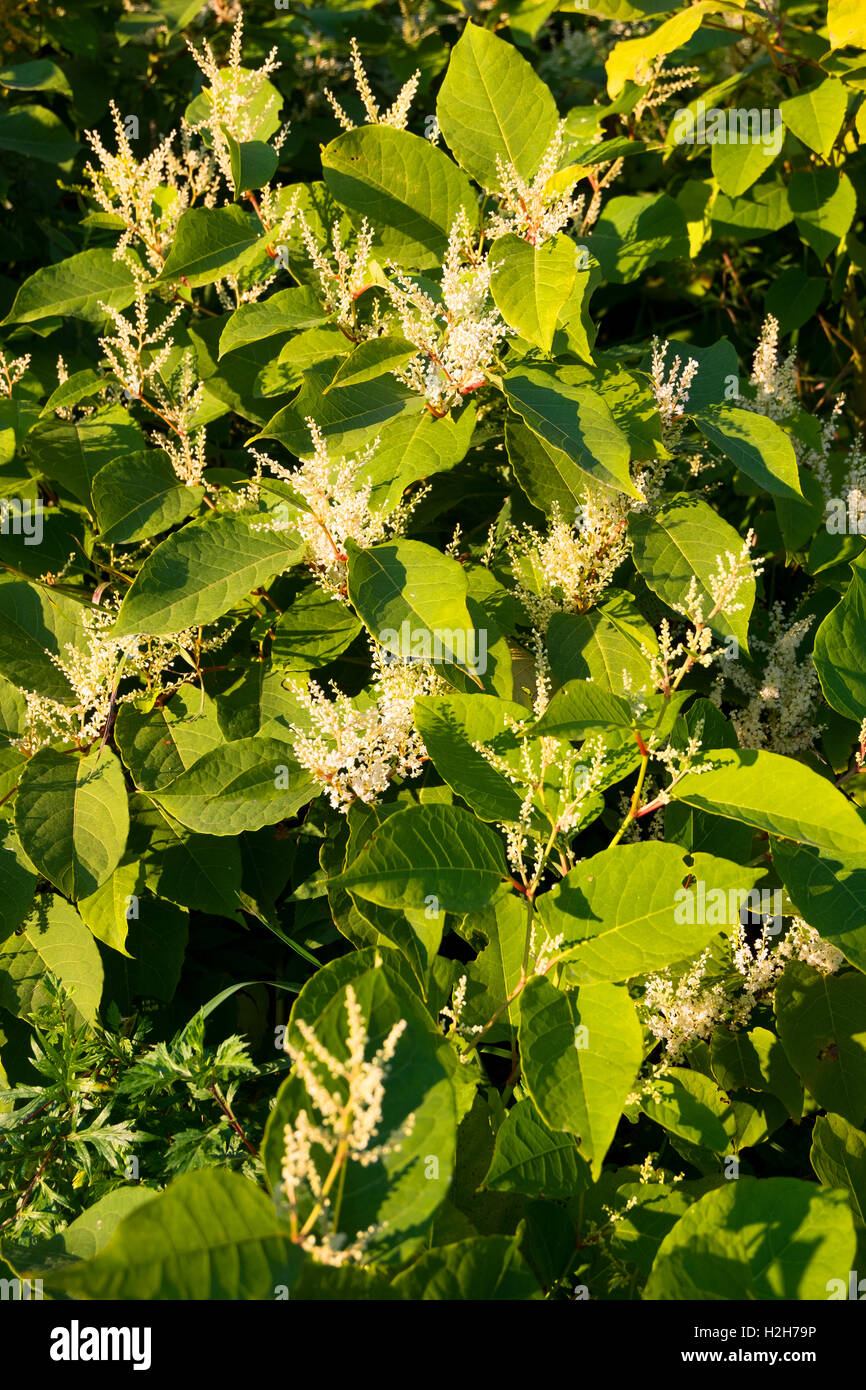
[(433, 650)]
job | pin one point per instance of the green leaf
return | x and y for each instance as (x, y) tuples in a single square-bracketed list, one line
[(200, 872), (531, 1158), (531, 284), (755, 1061), (416, 445), (828, 889), (72, 817), (840, 648), (74, 288), (773, 1238), (580, 1054), (428, 852), (626, 911), (139, 495), (409, 191), (107, 911), (211, 1235), (775, 794), (738, 164), (574, 421), (72, 452), (630, 57), (815, 116), (492, 105), (239, 786), (838, 1156), (823, 202), (372, 359), (821, 1021), (755, 444), (17, 882), (253, 163), (287, 309), (211, 243), (634, 233), (40, 75), (846, 24), (578, 709), (198, 573), (36, 133), (450, 726), (406, 582), (313, 631), (685, 539), (691, 1106), (161, 743), (483, 1267), (599, 645), (498, 968), (52, 940), (348, 416), (36, 624)]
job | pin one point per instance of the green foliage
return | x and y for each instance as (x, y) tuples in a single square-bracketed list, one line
[(432, 658)]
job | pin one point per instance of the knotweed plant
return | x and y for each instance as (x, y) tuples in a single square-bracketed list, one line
[(325, 362)]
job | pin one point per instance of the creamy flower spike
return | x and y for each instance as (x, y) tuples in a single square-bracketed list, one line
[(568, 569), (783, 691), (93, 672), (337, 499), (126, 352), (691, 1009), (350, 1115), (356, 752), (537, 210), (458, 338), (233, 90), (397, 114)]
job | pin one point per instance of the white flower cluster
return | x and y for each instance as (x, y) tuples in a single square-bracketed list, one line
[(579, 773), (775, 381), (690, 1009), (13, 371), (782, 695), (94, 671), (347, 1131), (342, 285), (537, 210), (396, 115), (568, 569), (355, 752), (458, 338), (233, 92), (671, 387), (127, 187), (126, 352), (335, 498)]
